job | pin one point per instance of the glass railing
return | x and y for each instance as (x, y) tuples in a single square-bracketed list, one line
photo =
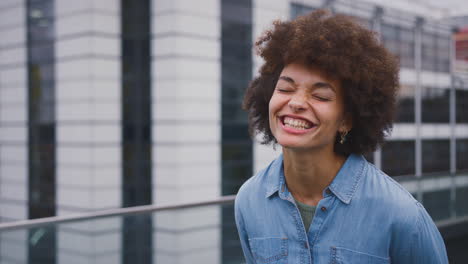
[(191, 233)]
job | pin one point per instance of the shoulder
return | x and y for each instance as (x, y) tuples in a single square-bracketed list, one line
[(392, 196), (413, 233)]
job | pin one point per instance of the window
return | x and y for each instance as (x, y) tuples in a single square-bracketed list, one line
[(461, 105), (435, 155), (436, 203), (398, 157), (136, 128), (435, 52), (460, 202), (399, 41), (435, 105), (299, 10), (41, 124), (462, 154), (405, 110), (428, 51), (236, 73)]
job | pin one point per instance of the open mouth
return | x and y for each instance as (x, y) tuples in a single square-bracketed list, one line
[(296, 123)]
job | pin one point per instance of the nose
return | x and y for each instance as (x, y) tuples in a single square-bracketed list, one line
[(297, 103)]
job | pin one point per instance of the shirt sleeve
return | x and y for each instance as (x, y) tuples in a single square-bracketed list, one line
[(425, 244), (242, 234)]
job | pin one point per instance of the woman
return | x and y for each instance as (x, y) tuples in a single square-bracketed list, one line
[(326, 94)]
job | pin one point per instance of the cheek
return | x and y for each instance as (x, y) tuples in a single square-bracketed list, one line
[(332, 113), (272, 105)]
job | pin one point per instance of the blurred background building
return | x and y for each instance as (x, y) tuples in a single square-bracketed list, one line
[(108, 104)]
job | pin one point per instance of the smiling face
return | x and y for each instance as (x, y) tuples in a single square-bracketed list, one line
[(306, 109)]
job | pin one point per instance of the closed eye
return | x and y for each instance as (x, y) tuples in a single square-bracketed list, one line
[(323, 99), (283, 90)]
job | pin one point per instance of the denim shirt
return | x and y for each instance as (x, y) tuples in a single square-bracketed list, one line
[(364, 217)]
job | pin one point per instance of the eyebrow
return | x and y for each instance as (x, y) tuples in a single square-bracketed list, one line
[(316, 85)]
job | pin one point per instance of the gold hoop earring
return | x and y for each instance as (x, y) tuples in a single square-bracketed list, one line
[(343, 137)]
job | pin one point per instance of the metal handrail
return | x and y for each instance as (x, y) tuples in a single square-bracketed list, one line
[(110, 212)]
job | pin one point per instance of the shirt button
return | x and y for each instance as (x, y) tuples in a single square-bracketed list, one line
[(305, 245), (327, 191), (323, 209)]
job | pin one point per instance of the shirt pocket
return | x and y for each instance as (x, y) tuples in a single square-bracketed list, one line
[(341, 255), (272, 250)]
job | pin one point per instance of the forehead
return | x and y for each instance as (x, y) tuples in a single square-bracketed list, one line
[(308, 75)]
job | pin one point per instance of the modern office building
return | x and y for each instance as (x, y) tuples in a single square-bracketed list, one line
[(107, 104)]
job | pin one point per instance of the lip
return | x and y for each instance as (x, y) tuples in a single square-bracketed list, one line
[(293, 130)]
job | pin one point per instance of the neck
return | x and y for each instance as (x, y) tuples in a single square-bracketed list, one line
[(308, 173)]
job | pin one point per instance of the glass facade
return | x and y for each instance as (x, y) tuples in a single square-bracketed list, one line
[(462, 156), (41, 81), (237, 147), (405, 110), (460, 201), (299, 9), (435, 51), (398, 157), (461, 105), (435, 105), (436, 155), (136, 127), (236, 72), (41, 121), (436, 203)]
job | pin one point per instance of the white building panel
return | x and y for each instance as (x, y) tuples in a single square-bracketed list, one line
[(65, 8), (110, 155), (9, 134), (66, 134), (74, 176), (186, 110), (106, 133), (14, 153), (106, 89), (73, 46), (12, 75), (76, 111), (76, 69), (68, 155), (177, 23), (13, 211), (14, 95), (106, 176), (186, 133), (74, 91), (203, 7), (13, 56), (13, 191), (186, 45), (106, 110), (16, 172)]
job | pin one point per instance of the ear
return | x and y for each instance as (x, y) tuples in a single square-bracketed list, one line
[(346, 124)]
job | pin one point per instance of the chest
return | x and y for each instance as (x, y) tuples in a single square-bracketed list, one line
[(337, 234)]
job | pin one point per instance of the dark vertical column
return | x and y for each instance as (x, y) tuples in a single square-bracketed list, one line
[(236, 72), (136, 128), (41, 126)]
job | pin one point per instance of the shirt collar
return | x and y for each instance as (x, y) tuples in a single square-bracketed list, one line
[(343, 186)]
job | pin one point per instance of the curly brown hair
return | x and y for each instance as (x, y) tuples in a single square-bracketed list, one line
[(345, 51)]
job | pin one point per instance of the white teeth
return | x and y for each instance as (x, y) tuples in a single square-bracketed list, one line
[(297, 123)]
